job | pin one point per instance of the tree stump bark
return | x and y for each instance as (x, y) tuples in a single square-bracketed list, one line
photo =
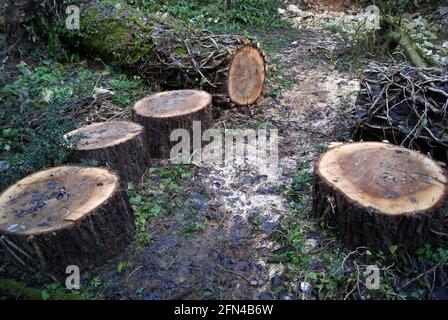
[(164, 112), (120, 145), (65, 216), (379, 195)]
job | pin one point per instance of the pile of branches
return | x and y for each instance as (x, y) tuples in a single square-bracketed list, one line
[(404, 105)]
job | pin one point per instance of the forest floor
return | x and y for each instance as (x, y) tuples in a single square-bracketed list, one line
[(235, 231)]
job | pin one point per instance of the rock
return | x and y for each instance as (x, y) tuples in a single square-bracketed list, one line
[(101, 93), (442, 10), (266, 296), (4, 165), (293, 8), (276, 281), (281, 11), (305, 287)]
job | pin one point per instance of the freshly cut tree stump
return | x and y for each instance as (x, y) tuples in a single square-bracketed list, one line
[(65, 216), (246, 75), (120, 145), (376, 194), (164, 112)]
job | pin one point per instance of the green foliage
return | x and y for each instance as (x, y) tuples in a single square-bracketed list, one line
[(127, 90), (163, 191), (366, 45), (12, 289), (394, 7), (220, 15), (46, 147)]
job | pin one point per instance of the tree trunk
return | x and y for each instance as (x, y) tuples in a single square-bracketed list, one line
[(173, 57), (65, 216), (379, 195), (119, 145), (416, 56), (164, 112)]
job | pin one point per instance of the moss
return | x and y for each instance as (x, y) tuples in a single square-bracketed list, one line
[(11, 289), (103, 36)]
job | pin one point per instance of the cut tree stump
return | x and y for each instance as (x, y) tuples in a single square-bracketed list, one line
[(65, 216), (120, 145), (164, 112), (376, 194)]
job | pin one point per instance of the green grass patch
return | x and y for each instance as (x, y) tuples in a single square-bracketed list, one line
[(163, 191), (219, 15)]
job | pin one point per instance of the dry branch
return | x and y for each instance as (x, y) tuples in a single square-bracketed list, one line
[(405, 105)]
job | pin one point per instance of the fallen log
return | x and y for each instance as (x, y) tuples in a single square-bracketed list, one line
[(378, 195), (65, 216), (164, 112), (157, 50), (416, 56), (119, 145)]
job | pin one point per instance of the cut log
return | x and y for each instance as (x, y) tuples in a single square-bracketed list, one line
[(157, 50), (246, 75), (376, 194), (65, 216), (119, 145), (164, 112)]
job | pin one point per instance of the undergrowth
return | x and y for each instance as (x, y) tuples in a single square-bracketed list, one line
[(219, 15), (161, 192)]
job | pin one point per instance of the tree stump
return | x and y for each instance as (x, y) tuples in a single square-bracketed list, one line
[(65, 216), (164, 112), (379, 195), (120, 145)]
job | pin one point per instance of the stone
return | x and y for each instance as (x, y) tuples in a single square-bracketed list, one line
[(266, 296), (293, 8), (305, 287)]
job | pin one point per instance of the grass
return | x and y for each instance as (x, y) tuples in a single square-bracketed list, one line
[(220, 15), (163, 191)]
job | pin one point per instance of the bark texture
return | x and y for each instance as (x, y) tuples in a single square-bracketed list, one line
[(361, 224), (84, 239), (159, 125), (119, 145)]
